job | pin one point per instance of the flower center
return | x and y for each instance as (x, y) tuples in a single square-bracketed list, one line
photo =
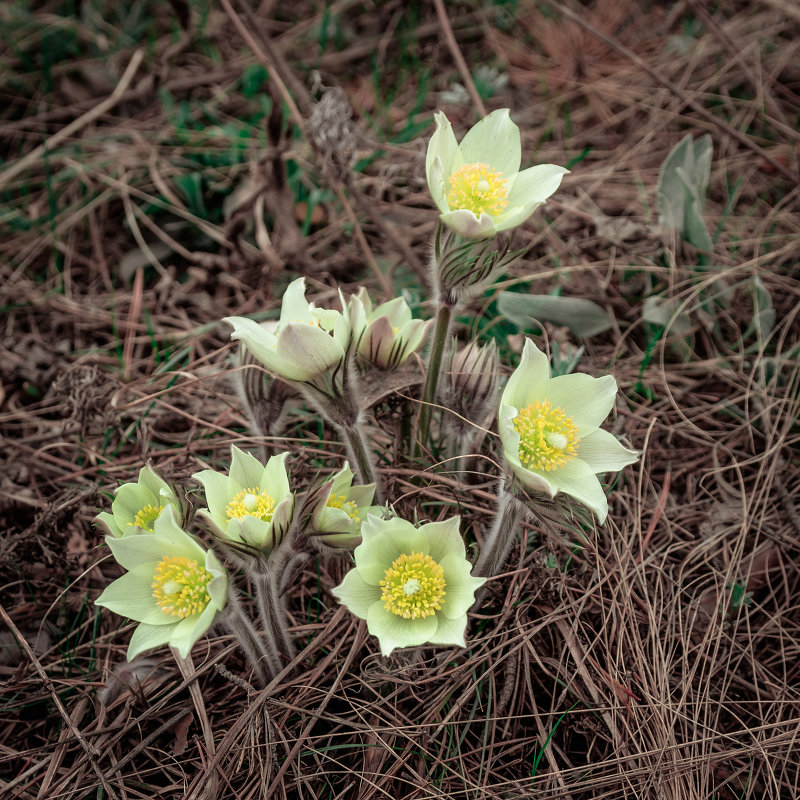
[(548, 438), (251, 503), (413, 586), (348, 506), (146, 517), (479, 189), (180, 586)]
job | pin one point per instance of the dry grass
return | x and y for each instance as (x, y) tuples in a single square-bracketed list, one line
[(661, 660)]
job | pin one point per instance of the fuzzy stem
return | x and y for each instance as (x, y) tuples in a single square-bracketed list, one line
[(356, 441), (272, 613), (501, 536), (264, 660), (443, 317)]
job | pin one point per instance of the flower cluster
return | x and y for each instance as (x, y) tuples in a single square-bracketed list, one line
[(412, 584)]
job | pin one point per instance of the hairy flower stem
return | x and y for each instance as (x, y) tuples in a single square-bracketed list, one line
[(501, 536), (440, 335), (264, 660), (272, 611), (340, 405)]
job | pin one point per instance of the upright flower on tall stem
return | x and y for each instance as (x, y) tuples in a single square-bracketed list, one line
[(479, 191), (477, 185), (552, 440)]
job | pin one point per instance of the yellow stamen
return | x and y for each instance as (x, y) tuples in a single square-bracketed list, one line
[(145, 517), (180, 586), (348, 506), (479, 189), (251, 503), (413, 587), (548, 438)]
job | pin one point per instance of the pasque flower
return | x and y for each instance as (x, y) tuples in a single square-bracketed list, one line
[(477, 185), (253, 504), (412, 585), (386, 335), (136, 506), (306, 343), (173, 588), (550, 430), (337, 519)]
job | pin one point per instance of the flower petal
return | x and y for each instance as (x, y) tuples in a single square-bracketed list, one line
[(129, 500), (533, 370), (466, 224), (604, 453), (294, 306), (394, 631), (578, 480), (587, 401), (531, 188), (494, 140), (442, 149), (307, 351), (146, 637), (445, 538), (460, 586), (109, 524), (356, 594), (186, 633), (450, 631), (376, 554), (131, 595), (218, 493), (246, 470)]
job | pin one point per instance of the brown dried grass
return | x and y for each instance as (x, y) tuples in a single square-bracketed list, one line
[(651, 681)]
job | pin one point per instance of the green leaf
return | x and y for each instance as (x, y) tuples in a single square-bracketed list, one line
[(682, 187), (582, 317)]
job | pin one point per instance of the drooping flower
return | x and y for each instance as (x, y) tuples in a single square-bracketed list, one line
[(550, 430), (173, 588), (137, 506), (307, 342), (253, 504), (386, 335), (337, 519), (412, 585), (477, 185)]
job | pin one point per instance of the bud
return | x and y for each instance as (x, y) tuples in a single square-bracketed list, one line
[(472, 380)]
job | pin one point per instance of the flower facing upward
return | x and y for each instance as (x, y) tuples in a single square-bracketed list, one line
[(477, 185), (387, 335), (173, 588), (306, 343), (412, 585), (137, 505), (337, 520), (550, 429), (253, 504)]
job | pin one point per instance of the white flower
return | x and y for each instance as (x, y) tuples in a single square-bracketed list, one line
[(307, 342), (477, 185), (550, 430), (137, 505), (412, 585), (386, 335), (337, 520), (253, 504), (173, 588)]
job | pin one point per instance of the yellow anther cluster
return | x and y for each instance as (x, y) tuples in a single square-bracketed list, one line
[(413, 587), (479, 189), (251, 503), (348, 506), (180, 586), (548, 438), (146, 517)]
